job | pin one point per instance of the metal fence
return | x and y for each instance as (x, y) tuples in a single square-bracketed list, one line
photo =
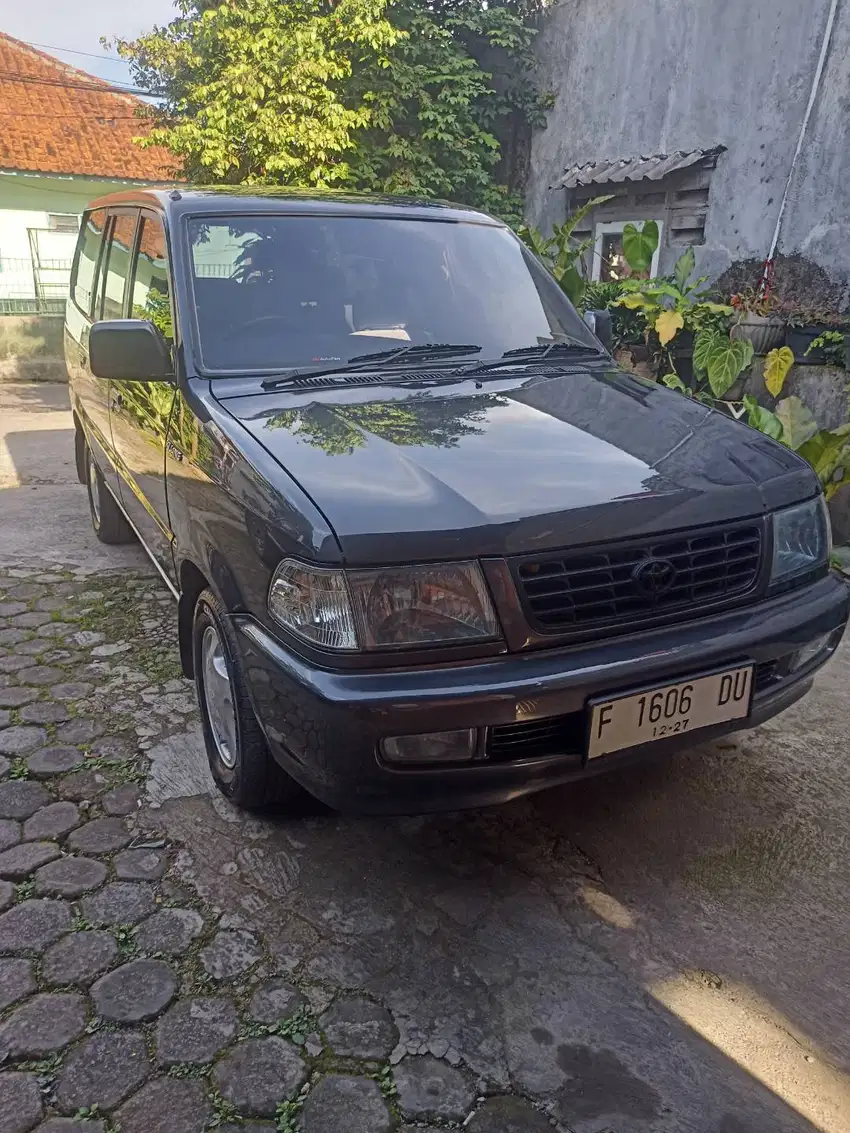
[(29, 287)]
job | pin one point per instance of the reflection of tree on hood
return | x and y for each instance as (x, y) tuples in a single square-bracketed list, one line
[(420, 420)]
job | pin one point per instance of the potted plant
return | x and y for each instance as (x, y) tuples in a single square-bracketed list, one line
[(628, 327), (757, 320), (816, 337), (675, 309)]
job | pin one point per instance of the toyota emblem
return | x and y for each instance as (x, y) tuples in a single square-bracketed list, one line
[(654, 577)]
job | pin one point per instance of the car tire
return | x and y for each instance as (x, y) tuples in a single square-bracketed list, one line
[(242, 766), (80, 450), (107, 519)]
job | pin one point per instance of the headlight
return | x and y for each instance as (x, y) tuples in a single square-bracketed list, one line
[(801, 539), (384, 608), (314, 604)]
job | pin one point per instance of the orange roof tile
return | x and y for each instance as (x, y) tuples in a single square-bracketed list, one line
[(56, 119)]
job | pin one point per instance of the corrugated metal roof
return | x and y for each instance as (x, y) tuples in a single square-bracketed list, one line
[(634, 168)]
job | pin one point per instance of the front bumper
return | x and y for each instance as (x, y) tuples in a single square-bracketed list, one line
[(324, 726)]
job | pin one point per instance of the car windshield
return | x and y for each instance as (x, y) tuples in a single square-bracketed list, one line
[(279, 292)]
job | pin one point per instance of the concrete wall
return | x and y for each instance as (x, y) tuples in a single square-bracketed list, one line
[(661, 75), (31, 348)]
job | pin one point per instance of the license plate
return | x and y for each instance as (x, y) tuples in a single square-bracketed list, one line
[(670, 710)]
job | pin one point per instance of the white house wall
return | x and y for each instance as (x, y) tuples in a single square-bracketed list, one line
[(25, 202)]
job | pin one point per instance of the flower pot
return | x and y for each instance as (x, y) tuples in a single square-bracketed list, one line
[(682, 351), (799, 339), (682, 345), (738, 388), (763, 331)]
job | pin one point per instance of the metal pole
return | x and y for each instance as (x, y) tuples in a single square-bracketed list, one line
[(827, 37)]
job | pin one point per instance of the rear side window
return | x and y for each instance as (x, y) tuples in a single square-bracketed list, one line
[(118, 264), (88, 253), (150, 293)]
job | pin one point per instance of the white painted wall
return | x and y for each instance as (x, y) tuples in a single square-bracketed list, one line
[(16, 276), (25, 202)]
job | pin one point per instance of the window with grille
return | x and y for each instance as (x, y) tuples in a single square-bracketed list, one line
[(63, 222)]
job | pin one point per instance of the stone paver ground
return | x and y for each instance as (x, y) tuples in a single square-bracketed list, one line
[(126, 1001)]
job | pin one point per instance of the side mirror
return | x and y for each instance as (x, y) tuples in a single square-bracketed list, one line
[(129, 350), (601, 325)]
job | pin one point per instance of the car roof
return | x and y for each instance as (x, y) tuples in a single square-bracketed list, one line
[(252, 199)]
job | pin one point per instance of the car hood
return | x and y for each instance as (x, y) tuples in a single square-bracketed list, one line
[(407, 472)]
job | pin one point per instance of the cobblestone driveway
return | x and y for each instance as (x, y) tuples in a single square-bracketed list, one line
[(168, 965), (127, 1001)]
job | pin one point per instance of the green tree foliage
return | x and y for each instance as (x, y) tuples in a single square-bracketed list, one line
[(454, 102), (429, 97), (256, 91)]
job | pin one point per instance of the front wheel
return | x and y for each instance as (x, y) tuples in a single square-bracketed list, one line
[(107, 519), (239, 758)]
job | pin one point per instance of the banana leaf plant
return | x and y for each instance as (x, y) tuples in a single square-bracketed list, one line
[(562, 253)]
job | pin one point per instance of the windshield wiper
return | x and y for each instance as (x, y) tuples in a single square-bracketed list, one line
[(427, 349), (534, 354), (398, 355)]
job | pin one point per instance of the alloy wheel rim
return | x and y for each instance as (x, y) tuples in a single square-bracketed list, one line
[(94, 491), (218, 696)]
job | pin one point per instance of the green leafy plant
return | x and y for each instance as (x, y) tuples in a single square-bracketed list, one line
[(436, 100), (45, 1069), (188, 1070), (671, 305), (798, 317), (224, 1111), (562, 253), (673, 381), (640, 245), (834, 347), (628, 327), (286, 1116), (296, 1027), (722, 359), (386, 1082), (798, 424), (125, 938), (828, 451), (452, 112), (25, 890), (86, 1111), (777, 366)]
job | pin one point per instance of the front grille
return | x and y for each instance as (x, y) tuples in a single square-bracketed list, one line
[(767, 673), (566, 735), (599, 587)]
